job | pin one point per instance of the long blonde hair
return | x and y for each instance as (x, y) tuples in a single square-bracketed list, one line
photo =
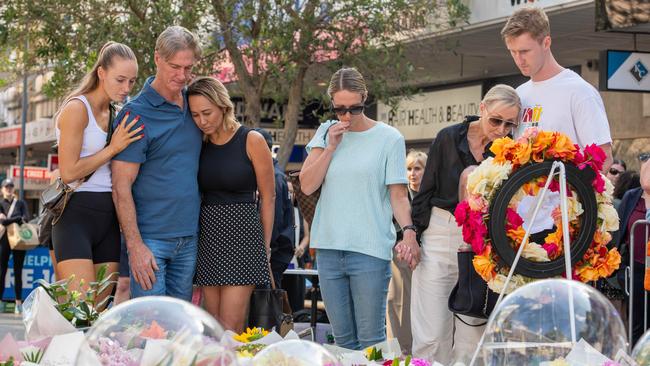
[(90, 81), (215, 92)]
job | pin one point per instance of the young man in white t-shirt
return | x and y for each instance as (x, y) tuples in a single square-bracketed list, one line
[(555, 98)]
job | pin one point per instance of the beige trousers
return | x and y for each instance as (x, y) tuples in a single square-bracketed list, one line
[(437, 335), (398, 307)]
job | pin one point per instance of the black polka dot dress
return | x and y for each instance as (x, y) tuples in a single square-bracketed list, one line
[(231, 241)]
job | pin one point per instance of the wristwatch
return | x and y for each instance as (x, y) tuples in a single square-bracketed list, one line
[(410, 227)]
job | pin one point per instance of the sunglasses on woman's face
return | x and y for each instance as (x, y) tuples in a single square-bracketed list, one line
[(614, 171), (353, 110), (496, 121)]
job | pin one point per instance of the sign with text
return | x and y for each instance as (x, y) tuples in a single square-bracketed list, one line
[(41, 130), (423, 115), (36, 177), (37, 265), (9, 137), (303, 136), (489, 10)]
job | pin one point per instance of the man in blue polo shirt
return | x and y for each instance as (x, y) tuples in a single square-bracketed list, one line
[(155, 188)]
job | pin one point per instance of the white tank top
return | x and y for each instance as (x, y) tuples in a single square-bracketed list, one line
[(94, 140)]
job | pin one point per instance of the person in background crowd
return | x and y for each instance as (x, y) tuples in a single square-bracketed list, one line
[(625, 181), (12, 210), (282, 239), (87, 236), (235, 238), (360, 165), (555, 98), (295, 284), (398, 315), (635, 206), (437, 335), (617, 168), (155, 188)]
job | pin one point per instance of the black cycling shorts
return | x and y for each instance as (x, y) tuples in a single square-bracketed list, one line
[(88, 229)]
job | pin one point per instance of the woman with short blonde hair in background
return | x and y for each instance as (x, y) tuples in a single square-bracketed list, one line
[(398, 307)]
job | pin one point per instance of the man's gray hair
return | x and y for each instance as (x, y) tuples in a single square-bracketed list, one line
[(175, 39)]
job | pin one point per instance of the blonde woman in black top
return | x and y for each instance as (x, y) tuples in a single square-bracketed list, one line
[(454, 149)]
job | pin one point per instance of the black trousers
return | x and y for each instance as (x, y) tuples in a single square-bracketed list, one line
[(19, 258)]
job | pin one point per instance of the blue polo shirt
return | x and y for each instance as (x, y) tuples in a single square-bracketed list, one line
[(166, 191)]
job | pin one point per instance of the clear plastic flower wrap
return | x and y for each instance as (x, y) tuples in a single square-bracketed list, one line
[(533, 324), (641, 351), (295, 353), (155, 330)]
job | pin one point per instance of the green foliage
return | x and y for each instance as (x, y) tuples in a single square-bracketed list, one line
[(9, 362), (34, 356), (81, 311), (375, 355)]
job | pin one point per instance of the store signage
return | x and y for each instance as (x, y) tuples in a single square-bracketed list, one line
[(52, 162), (625, 71), (489, 10), (303, 136), (422, 116), (31, 172), (9, 137), (41, 130), (37, 265)]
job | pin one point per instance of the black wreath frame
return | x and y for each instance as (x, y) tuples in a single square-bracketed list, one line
[(580, 181)]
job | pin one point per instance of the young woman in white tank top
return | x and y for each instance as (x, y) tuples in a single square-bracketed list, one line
[(87, 234)]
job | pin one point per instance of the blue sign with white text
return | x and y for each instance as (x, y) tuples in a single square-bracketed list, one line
[(37, 265)]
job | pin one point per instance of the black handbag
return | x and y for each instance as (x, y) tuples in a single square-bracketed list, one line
[(269, 308), (471, 295)]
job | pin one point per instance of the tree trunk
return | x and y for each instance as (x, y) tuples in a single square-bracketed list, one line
[(253, 113), (291, 122)]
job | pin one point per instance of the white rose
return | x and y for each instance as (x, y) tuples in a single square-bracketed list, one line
[(608, 214), (535, 252), (608, 194), (497, 283)]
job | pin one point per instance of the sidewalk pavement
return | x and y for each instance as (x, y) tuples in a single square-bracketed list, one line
[(11, 323)]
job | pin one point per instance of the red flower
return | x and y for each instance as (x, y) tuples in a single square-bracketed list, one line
[(598, 183), (461, 212), (551, 249), (513, 220), (597, 156)]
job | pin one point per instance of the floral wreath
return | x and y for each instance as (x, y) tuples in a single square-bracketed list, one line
[(483, 184)]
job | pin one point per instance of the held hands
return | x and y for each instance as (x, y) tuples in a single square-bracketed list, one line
[(300, 251), (143, 264), (125, 134), (408, 249), (335, 133)]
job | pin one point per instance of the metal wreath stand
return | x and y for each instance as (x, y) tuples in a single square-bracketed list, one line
[(558, 169)]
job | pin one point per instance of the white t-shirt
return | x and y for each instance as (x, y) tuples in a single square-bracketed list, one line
[(565, 103)]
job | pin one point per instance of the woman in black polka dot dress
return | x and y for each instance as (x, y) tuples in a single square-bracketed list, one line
[(234, 239)]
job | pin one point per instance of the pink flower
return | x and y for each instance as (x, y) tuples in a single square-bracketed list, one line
[(597, 156), (598, 183), (461, 212), (513, 220), (551, 249)]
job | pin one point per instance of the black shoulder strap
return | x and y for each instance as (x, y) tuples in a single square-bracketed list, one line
[(109, 133)]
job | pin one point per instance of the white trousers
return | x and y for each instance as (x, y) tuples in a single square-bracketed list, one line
[(437, 335)]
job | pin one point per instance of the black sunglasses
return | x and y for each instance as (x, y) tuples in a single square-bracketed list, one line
[(354, 110), (644, 156), (613, 171)]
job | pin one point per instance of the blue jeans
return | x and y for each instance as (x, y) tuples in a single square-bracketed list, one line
[(354, 288), (176, 259)]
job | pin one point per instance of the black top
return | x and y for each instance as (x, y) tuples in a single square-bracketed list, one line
[(283, 235), (226, 174), (449, 155), (20, 213)]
